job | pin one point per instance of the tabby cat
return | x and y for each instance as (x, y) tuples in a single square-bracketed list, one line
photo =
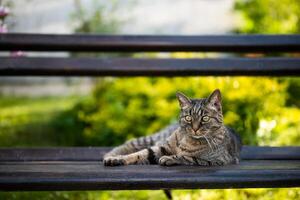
[(200, 138)]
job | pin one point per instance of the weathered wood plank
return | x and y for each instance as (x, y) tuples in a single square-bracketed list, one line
[(94, 176), (149, 67), (96, 153), (143, 43)]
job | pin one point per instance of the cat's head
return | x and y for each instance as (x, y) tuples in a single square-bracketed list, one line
[(200, 117)]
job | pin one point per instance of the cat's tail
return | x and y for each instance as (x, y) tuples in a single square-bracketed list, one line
[(138, 144)]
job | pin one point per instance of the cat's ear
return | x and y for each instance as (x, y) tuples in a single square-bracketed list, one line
[(214, 100), (184, 101)]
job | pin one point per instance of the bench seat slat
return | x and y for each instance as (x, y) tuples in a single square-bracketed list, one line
[(149, 67), (94, 176), (96, 153), (147, 43)]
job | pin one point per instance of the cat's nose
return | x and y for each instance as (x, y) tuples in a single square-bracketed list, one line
[(195, 130), (195, 127)]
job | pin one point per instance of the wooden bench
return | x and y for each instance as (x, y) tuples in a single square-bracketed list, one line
[(74, 168)]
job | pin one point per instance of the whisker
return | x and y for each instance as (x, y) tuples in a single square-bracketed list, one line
[(214, 143), (208, 142)]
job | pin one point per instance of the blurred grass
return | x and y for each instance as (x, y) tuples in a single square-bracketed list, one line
[(28, 121), (84, 195)]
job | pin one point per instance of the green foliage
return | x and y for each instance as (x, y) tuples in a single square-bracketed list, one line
[(272, 16), (268, 16), (232, 194), (293, 92), (122, 108)]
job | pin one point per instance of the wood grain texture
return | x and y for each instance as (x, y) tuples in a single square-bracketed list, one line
[(96, 153), (149, 67), (94, 176), (80, 168), (146, 43)]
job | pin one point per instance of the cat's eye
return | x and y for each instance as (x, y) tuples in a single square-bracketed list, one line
[(188, 118), (205, 118)]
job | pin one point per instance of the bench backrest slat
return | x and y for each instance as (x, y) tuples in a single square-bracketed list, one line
[(285, 65), (149, 67), (146, 43)]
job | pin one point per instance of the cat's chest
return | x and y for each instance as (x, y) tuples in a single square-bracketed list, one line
[(187, 146)]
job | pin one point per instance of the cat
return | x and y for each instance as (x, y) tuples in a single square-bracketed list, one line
[(199, 138)]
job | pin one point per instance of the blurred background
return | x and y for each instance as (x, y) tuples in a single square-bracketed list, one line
[(36, 111)]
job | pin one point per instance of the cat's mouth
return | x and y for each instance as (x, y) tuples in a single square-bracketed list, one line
[(197, 136)]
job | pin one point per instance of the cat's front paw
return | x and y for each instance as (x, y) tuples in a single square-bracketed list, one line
[(114, 161), (167, 161)]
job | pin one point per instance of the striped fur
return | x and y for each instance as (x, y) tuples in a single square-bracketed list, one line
[(200, 138)]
